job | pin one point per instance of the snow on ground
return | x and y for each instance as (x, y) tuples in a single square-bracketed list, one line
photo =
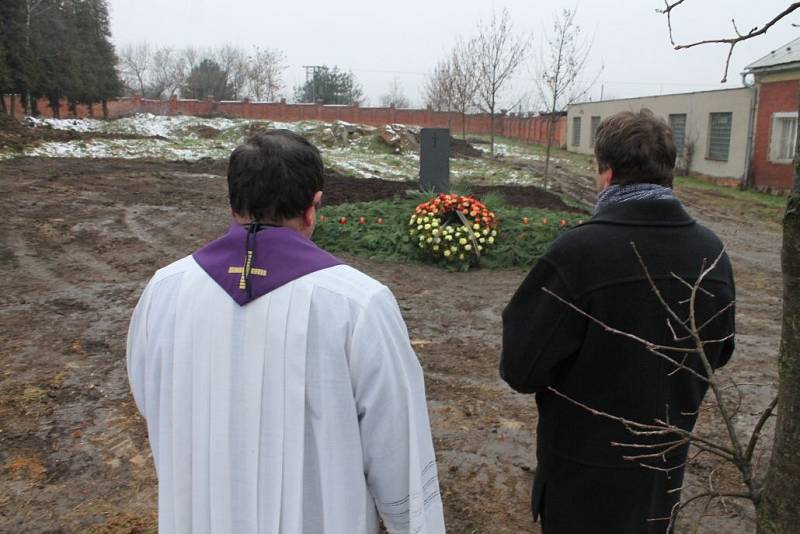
[(192, 138)]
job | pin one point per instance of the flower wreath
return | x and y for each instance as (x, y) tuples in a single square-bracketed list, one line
[(453, 228)]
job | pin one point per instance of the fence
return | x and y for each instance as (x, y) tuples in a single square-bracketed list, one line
[(528, 128)]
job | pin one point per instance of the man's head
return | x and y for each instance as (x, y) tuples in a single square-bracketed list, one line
[(276, 177), (634, 148)]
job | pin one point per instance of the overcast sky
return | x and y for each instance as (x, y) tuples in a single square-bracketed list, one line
[(380, 40)]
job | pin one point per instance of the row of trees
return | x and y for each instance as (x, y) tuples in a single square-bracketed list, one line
[(225, 72), (56, 48), (478, 69)]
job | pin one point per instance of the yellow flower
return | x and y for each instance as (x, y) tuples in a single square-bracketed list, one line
[(461, 257), (435, 248), (448, 237), (485, 231), (435, 223), (462, 241), (420, 227), (494, 233), (476, 226), (427, 227), (447, 253), (482, 240), (468, 247), (491, 240)]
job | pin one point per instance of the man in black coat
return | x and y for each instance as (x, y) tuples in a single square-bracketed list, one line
[(583, 484)]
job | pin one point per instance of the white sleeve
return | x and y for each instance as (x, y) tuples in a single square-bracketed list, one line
[(137, 350), (399, 461)]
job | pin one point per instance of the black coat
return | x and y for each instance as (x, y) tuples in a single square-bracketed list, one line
[(582, 483)]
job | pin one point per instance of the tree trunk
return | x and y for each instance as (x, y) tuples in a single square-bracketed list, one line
[(491, 129), (3, 104), (55, 107), (14, 105), (105, 109), (779, 508), (547, 152), (464, 125)]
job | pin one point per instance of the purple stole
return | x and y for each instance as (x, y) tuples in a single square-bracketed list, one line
[(276, 257)]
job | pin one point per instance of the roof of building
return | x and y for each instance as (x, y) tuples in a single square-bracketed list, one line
[(780, 58), (587, 102)]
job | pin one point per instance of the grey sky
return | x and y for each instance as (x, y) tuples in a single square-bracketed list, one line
[(380, 40)]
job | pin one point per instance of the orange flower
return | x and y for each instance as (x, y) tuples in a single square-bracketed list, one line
[(342, 220)]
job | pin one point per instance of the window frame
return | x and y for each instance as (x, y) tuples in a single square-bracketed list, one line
[(576, 131), (593, 129), (680, 151), (771, 151), (709, 156)]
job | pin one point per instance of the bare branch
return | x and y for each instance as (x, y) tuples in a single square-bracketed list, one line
[(765, 415), (730, 41), (648, 429), (649, 346)]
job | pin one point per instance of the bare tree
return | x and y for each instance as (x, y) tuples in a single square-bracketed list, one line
[(169, 72), (235, 65), (438, 89), (265, 74), (559, 69), (395, 96), (465, 79), (778, 505), (499, 51), (135, 62)]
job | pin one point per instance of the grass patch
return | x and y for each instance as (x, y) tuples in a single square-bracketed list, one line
[(765, 199), (518, 245)]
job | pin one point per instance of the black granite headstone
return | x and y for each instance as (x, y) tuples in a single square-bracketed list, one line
[(434, 160)]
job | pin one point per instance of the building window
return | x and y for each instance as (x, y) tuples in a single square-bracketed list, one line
[(784, 135), (677, 123), (576, 131), (595, 125), (719, 137)]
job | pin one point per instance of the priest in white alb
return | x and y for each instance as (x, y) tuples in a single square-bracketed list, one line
[(279, 386)]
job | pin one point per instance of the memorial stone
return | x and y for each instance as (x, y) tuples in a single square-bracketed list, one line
[(434, 160)]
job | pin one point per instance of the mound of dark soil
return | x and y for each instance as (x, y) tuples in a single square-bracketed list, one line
[(340, 189), (459, 148)]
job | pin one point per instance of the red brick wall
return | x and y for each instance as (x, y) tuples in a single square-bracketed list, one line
[(529, 129), (773, 97)]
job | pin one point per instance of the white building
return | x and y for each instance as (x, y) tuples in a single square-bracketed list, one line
[(711, 129)]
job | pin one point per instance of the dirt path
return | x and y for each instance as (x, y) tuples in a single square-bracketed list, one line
[(79, 239)]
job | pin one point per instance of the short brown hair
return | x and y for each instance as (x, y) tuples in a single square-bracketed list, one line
[(637, 147)]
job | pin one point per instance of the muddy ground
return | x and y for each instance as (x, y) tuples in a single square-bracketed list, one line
[(78, 240)]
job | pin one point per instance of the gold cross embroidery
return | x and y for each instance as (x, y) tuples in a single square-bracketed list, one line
[(247, 268)]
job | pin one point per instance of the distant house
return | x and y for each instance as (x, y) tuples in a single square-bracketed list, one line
[(777, 82), (710, 128), (739, 136)]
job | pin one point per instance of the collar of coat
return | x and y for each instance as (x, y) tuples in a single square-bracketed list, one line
[(644, 213)]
